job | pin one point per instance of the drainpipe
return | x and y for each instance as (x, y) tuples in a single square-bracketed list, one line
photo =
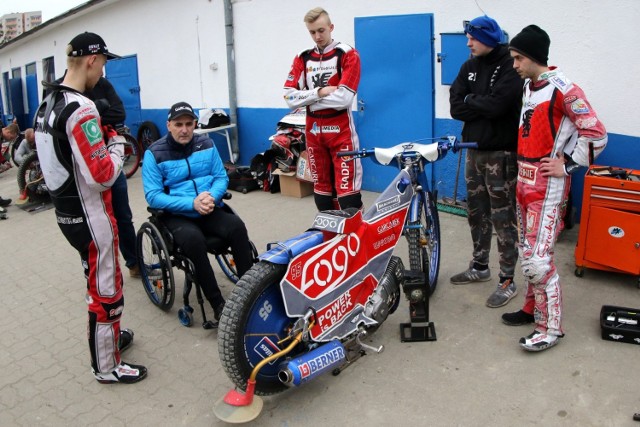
[(231, 75)]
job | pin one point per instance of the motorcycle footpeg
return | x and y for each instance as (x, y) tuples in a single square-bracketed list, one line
[(363, 334)]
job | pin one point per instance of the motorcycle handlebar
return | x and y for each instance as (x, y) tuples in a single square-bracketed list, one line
[(445, 143), (467, 145)]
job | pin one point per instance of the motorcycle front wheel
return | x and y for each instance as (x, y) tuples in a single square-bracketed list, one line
[(254, 320), (424, 240)]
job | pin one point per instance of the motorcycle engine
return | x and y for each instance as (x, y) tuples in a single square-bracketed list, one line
[(386, 297)]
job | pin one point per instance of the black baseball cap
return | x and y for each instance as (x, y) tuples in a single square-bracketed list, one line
[(88, 44), (181, 109)]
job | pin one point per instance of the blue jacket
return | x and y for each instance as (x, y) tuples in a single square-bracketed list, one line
[(174, 174)]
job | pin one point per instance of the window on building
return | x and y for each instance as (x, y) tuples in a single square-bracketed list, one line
[(48, 69), (30, 69), (7, 91), (16, 73)]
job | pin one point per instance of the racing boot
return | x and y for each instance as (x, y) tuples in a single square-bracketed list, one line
[(125, 373)]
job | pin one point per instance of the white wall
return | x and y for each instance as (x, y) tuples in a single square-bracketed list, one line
[(594, 42), (175, 42)]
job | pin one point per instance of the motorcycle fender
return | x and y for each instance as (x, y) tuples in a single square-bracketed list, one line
[(284, 252)]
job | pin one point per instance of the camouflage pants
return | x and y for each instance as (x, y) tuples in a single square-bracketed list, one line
[(491, 199)]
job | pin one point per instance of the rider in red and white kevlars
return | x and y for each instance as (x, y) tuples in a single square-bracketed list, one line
[(325, 80), (559, 132), (79, 168)]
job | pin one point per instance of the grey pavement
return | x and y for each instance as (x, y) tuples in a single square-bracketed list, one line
[(475, 374)]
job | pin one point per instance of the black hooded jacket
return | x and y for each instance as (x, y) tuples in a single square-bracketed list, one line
[(493, 92)]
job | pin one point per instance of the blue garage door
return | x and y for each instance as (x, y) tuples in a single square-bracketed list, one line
[(32, 97), (396, 92), (123, 75)]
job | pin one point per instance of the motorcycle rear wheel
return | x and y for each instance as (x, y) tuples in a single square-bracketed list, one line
[(30, 174), (253, 321)]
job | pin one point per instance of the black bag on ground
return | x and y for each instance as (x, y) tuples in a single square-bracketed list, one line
[(240, 178)]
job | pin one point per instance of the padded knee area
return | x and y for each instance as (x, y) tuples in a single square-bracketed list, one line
[(535, 269)]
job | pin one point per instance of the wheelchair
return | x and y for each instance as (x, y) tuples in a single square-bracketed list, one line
[(157, 255)]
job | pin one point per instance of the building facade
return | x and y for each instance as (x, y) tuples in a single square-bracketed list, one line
[(235, 54), (14, 24)]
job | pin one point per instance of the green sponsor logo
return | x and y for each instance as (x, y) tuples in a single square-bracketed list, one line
[(92, 131)]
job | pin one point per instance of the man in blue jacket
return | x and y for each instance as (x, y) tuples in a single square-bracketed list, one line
[(183, 174)]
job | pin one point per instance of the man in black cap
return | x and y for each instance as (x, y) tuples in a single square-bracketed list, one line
[(486, 97), (559, 132), (79, 169), (183, 175)]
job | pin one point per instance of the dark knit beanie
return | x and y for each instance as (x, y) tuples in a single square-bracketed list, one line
[(533, 42), (484, 29)]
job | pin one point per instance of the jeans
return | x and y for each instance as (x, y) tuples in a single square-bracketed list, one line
[(122, 212)]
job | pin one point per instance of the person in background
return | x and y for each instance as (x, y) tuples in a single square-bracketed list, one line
[(559, 132), (325, 80), (9, 134), (79, 168), (183, 175), (26, 147), (486, 96)]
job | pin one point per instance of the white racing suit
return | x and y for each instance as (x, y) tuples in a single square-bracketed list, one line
[(79, 170), (556, 121)]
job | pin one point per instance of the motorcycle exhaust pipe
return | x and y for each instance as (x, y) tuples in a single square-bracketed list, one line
[(324, 358)]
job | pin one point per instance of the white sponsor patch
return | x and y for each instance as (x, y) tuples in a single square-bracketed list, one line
[(527, 173)]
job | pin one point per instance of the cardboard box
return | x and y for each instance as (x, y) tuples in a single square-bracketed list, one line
[(292, 187), (303, 171)]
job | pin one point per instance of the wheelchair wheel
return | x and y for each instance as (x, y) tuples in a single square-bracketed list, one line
[(156, 270), (228, 265)]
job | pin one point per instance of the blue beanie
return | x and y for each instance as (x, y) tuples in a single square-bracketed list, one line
[(484, 29)]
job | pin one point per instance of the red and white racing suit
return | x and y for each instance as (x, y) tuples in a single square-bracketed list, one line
[(556, 120), (329, 123), (79, 171)]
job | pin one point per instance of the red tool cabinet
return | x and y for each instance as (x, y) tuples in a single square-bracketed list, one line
[(609, 236)]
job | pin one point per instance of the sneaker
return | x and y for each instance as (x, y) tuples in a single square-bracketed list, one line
[(134, 272), (538, 341), (217, 311), (126, 339), (503, 294), (471, 275), (4, 202), (517, 318), (125, 373)]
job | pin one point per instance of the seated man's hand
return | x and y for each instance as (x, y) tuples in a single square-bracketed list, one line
[(204, 203)]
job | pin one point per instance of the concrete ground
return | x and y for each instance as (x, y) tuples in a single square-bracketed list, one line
[(475, 374)]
